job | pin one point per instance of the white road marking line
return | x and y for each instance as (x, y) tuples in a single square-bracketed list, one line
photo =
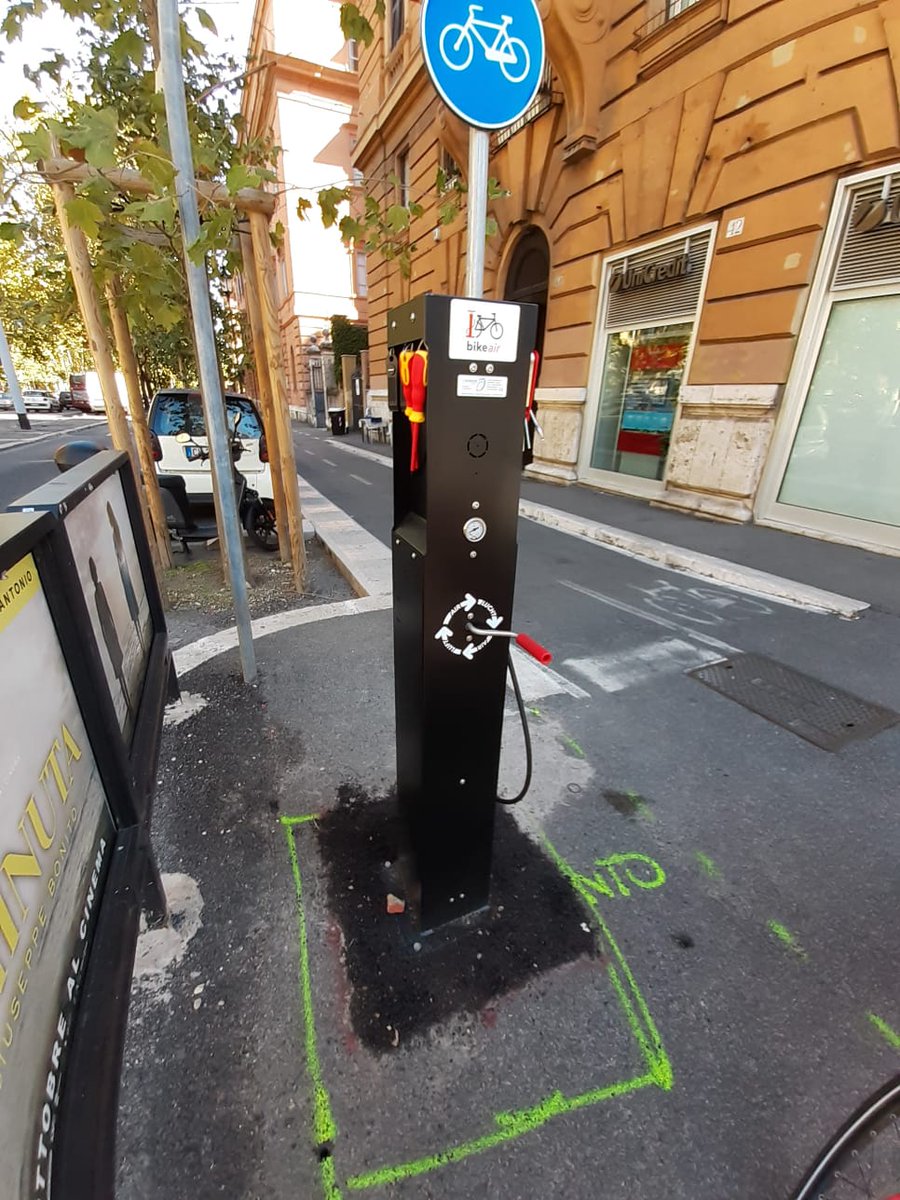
[(703, 566), (616, 672), (305, 451), (381, 459), (663, 622), (538, 681), (195, 654), (359, 479), (330, 463)]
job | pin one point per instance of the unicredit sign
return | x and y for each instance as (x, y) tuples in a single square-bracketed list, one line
[(625, 278)]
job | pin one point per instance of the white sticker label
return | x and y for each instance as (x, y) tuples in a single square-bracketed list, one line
[(482, 331), (481, 385)]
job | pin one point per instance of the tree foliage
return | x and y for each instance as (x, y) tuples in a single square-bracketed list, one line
[(347, 338), (108, 114)]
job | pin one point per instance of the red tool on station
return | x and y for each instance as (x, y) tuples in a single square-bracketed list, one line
[(530, 415), (414, 382)]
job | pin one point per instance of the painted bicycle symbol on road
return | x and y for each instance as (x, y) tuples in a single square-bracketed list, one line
[(457, 45)]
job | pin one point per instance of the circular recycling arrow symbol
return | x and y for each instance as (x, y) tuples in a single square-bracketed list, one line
[(468, 604)]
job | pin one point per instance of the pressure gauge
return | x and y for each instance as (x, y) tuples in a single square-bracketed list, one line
[(474, 529)]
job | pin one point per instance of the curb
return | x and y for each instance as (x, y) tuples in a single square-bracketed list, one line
[(43, 437), (704, 566), (359, 556)]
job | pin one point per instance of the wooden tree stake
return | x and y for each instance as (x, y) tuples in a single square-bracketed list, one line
[(128, 363), (265, 274), (254, 313)]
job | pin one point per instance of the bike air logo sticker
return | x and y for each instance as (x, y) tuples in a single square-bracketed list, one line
[(451, 628), (484, 332)]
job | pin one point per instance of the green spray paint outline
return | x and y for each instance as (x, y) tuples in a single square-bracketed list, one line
[(890, 1035), (787, 939), (512, 1125), (707, 866)]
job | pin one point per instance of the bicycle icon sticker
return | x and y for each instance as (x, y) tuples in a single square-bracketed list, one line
[(457, 45), (485, 59), (484, 323)]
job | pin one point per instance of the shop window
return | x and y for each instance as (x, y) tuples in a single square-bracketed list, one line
[(642, 375), (847, 446)]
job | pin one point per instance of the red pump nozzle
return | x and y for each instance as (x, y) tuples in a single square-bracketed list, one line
[(535, 649)]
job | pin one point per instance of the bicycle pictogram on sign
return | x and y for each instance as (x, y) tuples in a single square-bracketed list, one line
[(457, 45), (479, 324)]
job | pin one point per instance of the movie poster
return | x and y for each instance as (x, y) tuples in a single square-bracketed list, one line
[(55, 838), (103, 546)]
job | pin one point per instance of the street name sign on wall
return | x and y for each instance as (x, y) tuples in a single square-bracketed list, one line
[(486, 60)]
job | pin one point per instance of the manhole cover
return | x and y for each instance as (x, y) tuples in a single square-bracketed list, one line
[(824, 715)]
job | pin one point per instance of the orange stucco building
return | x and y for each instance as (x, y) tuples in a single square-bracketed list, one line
[(301, 90), (704, 199)]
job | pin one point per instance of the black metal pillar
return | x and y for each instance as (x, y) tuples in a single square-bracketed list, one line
[(454, 562)]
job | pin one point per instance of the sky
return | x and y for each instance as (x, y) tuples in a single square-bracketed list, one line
[(54, 30)]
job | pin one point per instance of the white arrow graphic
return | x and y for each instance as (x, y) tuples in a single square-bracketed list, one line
[(469, 652), (494, 622), (443, 632), (469, 602)]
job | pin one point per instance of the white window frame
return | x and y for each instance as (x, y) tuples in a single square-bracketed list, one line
[(768, 510), (618, 481)]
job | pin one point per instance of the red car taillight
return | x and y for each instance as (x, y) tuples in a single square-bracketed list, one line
[(263, 449), (155, 448)]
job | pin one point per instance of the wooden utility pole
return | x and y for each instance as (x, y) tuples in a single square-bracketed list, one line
[(254, 313), (262, 253), (128, 363)]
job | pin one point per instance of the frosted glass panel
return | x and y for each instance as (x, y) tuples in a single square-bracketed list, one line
[(846, 455)]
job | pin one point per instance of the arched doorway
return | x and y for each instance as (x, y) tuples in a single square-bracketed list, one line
[(528, 277)]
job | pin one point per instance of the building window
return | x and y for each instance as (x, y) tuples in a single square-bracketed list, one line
[(362, 277), (353, 54), (282, 276), (403, 178), (674, 7), (396, 21), (652, 300), (294, 367)]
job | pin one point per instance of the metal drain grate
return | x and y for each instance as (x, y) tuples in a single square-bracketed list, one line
[(824, 715)]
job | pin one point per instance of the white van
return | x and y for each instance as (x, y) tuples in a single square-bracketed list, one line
[(86, 390), (178, 410)]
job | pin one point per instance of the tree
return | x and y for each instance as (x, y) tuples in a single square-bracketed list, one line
[(108, 116), (347, 338), (37, 303)]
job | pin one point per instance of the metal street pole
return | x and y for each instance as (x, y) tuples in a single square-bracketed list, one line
[(204, 338), (12, 381), (476, 211)]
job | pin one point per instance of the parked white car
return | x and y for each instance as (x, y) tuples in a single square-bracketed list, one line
[(37, 401), (179, 410)]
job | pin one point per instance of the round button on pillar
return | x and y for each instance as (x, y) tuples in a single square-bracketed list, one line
[(474, 529)]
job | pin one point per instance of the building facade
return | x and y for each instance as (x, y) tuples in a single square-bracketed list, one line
[(302, 90), (704, 201)]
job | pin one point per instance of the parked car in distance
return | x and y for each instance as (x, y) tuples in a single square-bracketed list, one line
[(6, 401), (37, 401), (178, 410), (86, 390)]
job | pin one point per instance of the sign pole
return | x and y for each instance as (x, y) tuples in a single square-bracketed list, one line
[(12, 382), (476, 211), (204, 334)]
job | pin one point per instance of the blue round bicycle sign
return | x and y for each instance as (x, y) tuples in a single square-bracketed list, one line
[(486, 60)]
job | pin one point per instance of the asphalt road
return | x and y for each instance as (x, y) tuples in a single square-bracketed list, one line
[(29, 464)]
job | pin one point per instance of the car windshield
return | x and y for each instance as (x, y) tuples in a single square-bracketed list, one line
[(181, 412)]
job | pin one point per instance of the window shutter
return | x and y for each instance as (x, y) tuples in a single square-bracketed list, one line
[(664, 301), (871, 250)]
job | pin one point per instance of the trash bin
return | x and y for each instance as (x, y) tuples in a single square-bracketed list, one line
[(338, 418)]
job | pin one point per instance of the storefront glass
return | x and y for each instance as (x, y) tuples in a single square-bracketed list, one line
[(642, 376), (846, 455)]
